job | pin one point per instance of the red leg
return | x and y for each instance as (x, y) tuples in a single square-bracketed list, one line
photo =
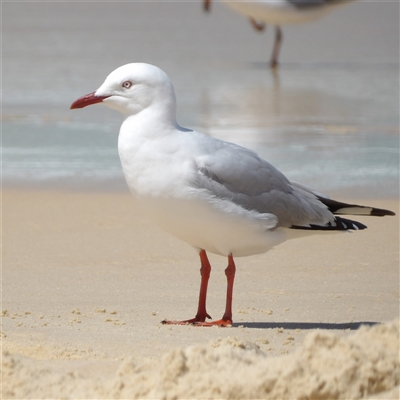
[(227, 318), (201, 310), (277, 47), (207, 5), (205, 276), (230, 276), (258, 26)]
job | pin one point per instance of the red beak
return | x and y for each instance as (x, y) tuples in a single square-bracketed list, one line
[(87, 100)]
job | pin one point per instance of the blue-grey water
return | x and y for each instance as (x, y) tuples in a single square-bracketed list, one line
[(328, 118)]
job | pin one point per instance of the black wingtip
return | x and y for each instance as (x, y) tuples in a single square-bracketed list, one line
[(338, 207), (349, 224), (380, 212), (340, 224)]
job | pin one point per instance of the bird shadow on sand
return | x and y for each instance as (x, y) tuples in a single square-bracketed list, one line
[(304, 325)]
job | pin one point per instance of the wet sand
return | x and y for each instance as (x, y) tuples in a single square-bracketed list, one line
[(86, 282)]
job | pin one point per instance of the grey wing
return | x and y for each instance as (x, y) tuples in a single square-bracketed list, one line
[(302, 4), (239, 175)]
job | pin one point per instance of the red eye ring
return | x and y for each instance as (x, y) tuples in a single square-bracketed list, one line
[(127, 84)]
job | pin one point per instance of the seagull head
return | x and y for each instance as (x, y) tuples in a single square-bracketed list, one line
[(133, 88)]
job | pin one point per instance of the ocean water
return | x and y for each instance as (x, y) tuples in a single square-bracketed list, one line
[(328, 118)]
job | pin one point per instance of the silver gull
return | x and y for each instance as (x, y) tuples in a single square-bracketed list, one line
[(217, 196)]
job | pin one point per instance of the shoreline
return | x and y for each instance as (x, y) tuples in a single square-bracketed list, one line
[(360, 193)]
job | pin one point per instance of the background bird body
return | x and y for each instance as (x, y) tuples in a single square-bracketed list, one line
[(281, 12)]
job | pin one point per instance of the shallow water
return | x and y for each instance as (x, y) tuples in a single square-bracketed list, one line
[(329, 118)]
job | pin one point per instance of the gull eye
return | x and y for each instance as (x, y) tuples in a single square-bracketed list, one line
[(127, 84)]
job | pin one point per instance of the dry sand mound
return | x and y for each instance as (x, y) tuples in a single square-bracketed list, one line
[(362, 365)]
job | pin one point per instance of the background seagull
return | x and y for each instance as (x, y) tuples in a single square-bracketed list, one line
[(280, 12), (215, 195)]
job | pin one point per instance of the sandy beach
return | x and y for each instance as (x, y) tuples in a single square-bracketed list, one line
[(86, 282)]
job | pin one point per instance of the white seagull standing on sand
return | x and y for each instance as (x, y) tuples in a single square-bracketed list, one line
[(280, 12), (215, 195)]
